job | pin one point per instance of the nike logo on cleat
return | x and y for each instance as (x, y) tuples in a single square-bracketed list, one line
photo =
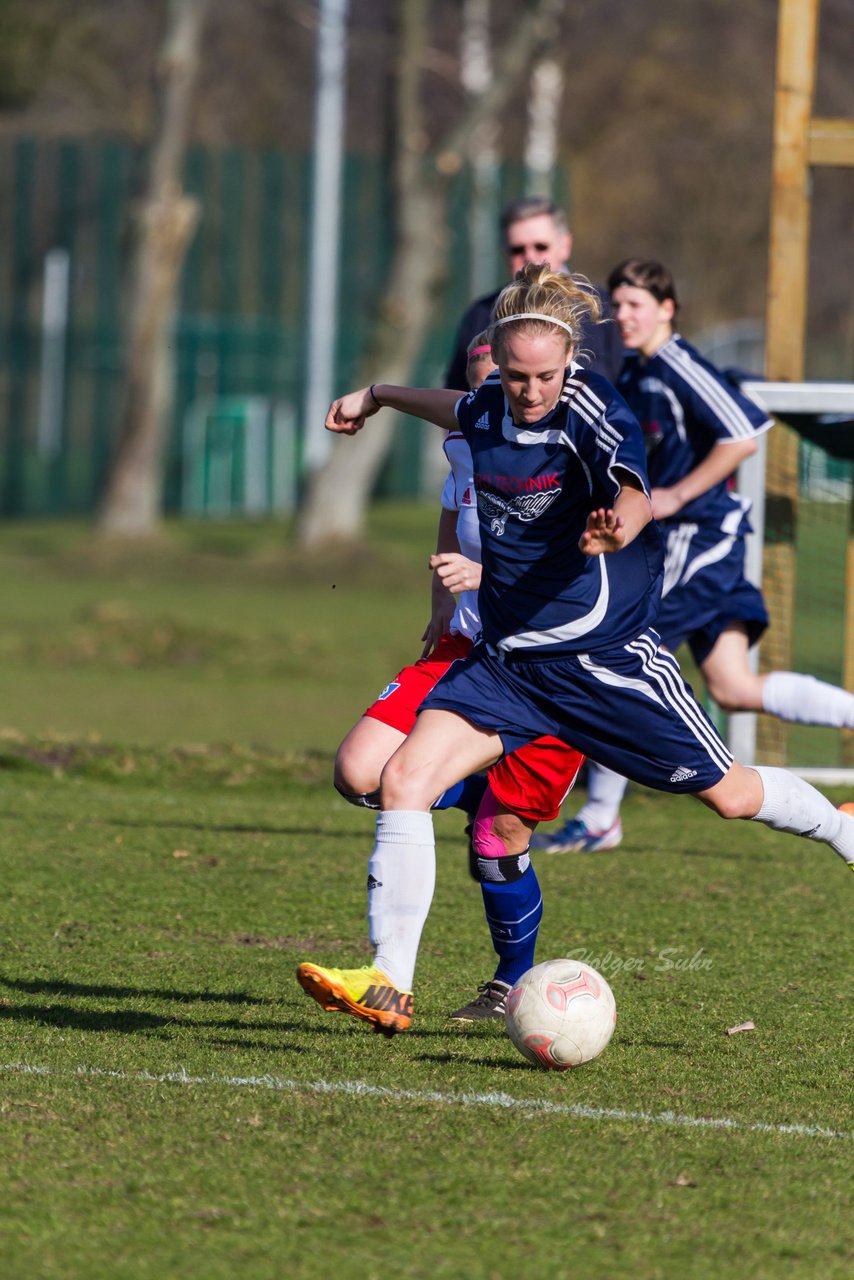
[(387, 1000)]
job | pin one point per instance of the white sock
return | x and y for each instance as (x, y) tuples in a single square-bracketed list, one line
[(401, 879), (805, 700), (605, 791), (793, 805)]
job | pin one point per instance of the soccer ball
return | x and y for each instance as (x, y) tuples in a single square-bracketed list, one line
[(560, 1013)]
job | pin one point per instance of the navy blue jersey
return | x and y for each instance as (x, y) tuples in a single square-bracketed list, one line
[(685, 407), (536, 485)]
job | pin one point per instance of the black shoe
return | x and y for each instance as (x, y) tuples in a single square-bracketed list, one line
[(488, 1003)]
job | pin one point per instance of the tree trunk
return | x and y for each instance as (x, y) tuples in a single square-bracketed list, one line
[(541, 142), (132, 501), (339, 491), (338, 494)]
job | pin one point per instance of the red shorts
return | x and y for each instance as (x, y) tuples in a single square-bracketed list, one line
[(400, 699), (533, 782)]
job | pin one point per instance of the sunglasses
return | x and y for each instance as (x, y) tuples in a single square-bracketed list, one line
[(515, 250)]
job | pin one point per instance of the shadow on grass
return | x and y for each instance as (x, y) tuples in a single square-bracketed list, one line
[(234, 828), (178, 824), (132, 1021), (123, 1020), (652, 1044), (474, 1060), (129, 1021), (258, 1046), (47, 986), (365, 835)]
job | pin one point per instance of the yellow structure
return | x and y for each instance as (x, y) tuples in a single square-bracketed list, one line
[(801, 141)]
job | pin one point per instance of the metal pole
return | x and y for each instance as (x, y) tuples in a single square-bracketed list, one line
[(751, 484), (54, 326), (324, 254)]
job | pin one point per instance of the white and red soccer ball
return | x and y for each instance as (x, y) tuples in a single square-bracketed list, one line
[(560, 1013)]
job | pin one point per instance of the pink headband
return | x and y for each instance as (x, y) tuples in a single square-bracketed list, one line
[(480, 351)]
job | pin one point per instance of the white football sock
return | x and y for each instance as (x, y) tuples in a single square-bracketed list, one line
[(401, 879), (791, 804), (805, 700), (605, 791)]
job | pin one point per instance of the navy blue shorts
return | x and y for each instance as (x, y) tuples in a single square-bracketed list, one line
[(628, 708), (705, 589)]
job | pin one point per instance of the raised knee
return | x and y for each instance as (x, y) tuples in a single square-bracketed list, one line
[(728, 807), (397, 787), (351, 777), (734, 695), (362, 800), (738, 795)]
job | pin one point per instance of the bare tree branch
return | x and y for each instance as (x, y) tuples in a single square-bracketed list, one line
[(339, 492)]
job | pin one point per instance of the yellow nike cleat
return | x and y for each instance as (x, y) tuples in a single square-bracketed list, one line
[(848, 808), (365, 993)]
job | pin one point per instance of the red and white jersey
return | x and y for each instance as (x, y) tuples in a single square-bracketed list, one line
[(459, 495)]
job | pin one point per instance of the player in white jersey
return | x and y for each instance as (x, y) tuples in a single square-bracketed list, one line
[(698, 429), (572, 571)]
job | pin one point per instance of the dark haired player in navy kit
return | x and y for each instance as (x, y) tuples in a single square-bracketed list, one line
[(698, 429), (572, 572)]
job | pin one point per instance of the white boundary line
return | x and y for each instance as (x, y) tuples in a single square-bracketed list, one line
[(503, 1101)]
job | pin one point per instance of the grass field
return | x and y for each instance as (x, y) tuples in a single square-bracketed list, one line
[(172, 1105)]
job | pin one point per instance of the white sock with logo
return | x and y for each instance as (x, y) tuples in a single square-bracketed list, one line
[(605, 791), (401, 879), (793, 805), (805, 700)]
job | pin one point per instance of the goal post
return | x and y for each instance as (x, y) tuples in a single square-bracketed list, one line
[(801, 552)]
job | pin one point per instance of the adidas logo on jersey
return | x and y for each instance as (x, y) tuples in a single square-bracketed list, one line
[(482, 423), (682, 774)]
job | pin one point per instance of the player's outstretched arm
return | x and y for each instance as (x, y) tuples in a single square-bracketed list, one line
[(442, 600), (721, 461), (348, 414), (612, 529)]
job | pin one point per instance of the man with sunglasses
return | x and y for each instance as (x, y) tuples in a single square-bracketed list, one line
[(534, 229)]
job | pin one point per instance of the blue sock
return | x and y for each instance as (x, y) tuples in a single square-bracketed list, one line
[(465, 795), (513, 912)]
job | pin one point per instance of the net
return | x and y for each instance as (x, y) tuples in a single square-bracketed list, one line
[(802, 551)]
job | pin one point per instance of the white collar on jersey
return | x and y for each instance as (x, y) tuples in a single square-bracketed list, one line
[(532, 432)]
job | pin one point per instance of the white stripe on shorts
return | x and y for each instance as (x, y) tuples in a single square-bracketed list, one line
[(606, 676), (663, 668), (730, 526), (676, 554)]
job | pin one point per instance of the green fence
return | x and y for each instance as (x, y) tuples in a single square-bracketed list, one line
[(241, 324)]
